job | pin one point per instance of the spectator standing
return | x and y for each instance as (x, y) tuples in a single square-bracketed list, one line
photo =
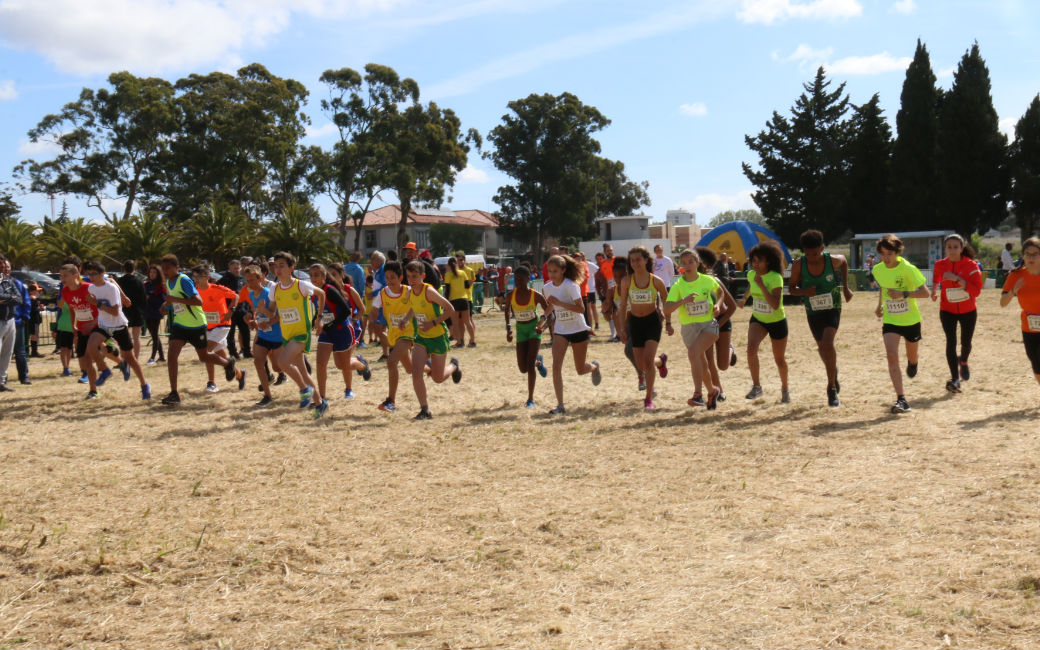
[(35, 320), (723, 272), (235, 281), (1007, 262), (11, 298), (664, 268), (432, 276), (153, 311), (133, 289), (356, 272)]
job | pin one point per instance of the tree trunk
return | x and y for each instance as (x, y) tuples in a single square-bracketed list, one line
[(357, 233), (538, 246), (406, 208)]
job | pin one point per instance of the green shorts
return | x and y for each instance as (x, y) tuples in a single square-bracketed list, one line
[(434, 346), (527, 331), (299, 338)]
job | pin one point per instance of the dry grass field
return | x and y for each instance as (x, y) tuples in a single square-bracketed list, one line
[(126, 524)]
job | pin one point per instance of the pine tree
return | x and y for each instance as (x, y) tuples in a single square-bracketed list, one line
[(913, 196), (1025, 170), (801, 176), (869, 158), (973, 167)]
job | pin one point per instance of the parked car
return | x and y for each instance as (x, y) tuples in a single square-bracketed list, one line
[(49, 288)]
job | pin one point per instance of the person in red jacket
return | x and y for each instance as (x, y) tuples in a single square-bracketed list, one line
[(956, 279)]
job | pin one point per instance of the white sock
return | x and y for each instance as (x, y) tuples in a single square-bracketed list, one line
[(613, 331)]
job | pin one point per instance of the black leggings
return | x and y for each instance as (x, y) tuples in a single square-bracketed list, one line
[(949, 324), (153, 331)]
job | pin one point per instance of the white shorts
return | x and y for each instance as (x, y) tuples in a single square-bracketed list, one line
[(219, 336)]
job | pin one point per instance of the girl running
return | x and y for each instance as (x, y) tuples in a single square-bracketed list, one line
[(765, 291), (901, 285), (429, 310), (641, 295), (1024, 283), (458, 280), (695, 295), (215, 307), (522, 304), (395, 303), (722, 355), (563, 298), (957, 279), (619, 319), (338, 337), (268, 335)]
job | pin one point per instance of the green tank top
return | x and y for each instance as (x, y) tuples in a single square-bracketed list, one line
[(828, 287), (189, 316), (64, 319)]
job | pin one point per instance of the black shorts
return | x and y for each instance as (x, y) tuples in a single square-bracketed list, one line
[(1032, 343), (577, 337), (194, 336), (81, 343), (821, 320), (912, 333), (264, 343), (727, 327), (589, 298), (460, 304), (644, 328), (121, 336), (777, 330), (65, 339), (134, 317)]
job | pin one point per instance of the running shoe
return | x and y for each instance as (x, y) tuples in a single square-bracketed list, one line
[(125, 368), (642, 384), (281, 379), (696, 400), (366, 372), (648, 404), (785, 396), (150, 362), (241, 379), (837, 384), (424, 414), (456, 375), (83, 379), (172, 399), (732, 356), (529, 404), (320, 409), (146, 391), (663, 369), (388, 406), (259, 388), (348, 394), (954, 386), (965, 371), (92, 395), (305, 397), (382, 357), (901, 406), (66, 373), (754, 393), (559, 410), (270, 376), (362, 344), (597, 376), (832, 397), (911, 370), (722, 396), (713, 399), (211, 387), (103, 377), (229, 369), (264, 402), (472, 344), (540, 366)]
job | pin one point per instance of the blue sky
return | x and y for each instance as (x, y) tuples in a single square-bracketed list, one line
[(682, 82)]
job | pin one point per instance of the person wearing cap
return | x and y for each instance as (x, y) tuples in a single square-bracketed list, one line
[(410, 252)]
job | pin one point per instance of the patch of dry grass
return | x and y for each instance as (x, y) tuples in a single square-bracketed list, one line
[(759, 525)]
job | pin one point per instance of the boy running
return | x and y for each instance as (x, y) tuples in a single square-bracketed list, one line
[(429, 310), (215, 299), (109, 300)]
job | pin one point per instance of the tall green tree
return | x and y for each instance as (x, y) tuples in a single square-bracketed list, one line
[(299, 230), (973, 168), (217, 233), (112, 144), (869, 158), (448, 237), (18, 242), (801, 172), (8, 208), (1025, 170), (914, 195), (747, 214), (145, 236), (74, 236)]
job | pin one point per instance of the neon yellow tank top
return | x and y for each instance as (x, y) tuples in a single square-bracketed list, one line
[(642, 296), (523, 313), (424, 310), (189, 316), (395, 308), (294, 311)]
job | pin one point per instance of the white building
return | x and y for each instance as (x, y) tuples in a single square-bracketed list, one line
[(681, 218), (379, 229)]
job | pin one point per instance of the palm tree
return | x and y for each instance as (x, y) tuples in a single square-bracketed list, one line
[(299, 230), (145, 236), (63, 237), (217, 232), (18, 242)]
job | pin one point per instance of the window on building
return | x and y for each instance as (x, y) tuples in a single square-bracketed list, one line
[(422, 238), (370, 239)]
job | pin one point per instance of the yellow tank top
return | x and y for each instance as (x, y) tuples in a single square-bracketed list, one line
[(424, 310), (294, 311), (523, 313), (395, 308), (642, 296)]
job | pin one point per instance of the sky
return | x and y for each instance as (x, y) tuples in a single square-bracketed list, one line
[(681, 81)]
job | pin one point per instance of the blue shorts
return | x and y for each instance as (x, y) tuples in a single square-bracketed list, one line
[(340, 339), (379, 318)]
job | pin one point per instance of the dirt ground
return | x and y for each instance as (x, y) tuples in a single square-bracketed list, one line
[(126, 524)]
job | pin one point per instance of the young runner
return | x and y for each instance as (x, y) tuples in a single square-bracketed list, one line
[(428, 311), (765, 291), (75, 294), (338, 336), (720, 356), (394, 302), (642, 293), (295, 314), (65, 336), (563, 297), (822, 278), (957, 279), (268, 335), (1024, 283), (521, 303), (109, 300), (901, 285), (458, 280), (619, 319), (376, 320), (215, 306), (189, 326), (695, 295), (153, 312)]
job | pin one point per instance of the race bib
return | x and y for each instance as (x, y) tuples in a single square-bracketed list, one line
[(179, 308), (420, 318), (525, 315), (564, 315), (1033, 320), (762, 307), (821, 302), (698, 308), (640, 296), (289, 316), (262, 323), (956, 294), (610, 283), (84, 315), (327, 318), (212, 317), (895, 307), (396, 320)]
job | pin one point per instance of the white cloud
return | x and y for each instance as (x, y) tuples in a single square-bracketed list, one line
[(154, 36), (325, 130), (1007, 127), (867, 65), (708, 205), (40, 150), (696, 109), (905, 7), (767, 12), (7, 91), (472, 175), (946, 73), (806, 56)]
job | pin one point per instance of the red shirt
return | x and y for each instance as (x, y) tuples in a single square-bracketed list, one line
[(84, 314), (954, 298)]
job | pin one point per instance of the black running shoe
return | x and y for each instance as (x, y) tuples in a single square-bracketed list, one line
[(424, 414), (241, 379), (281, 379), (911, 370), (456, 375), (265, 401), (832, 398), (172, 399), (229, 370), (713, 399), (901, 406), (965, 371), (954, 386), (732, 356)]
